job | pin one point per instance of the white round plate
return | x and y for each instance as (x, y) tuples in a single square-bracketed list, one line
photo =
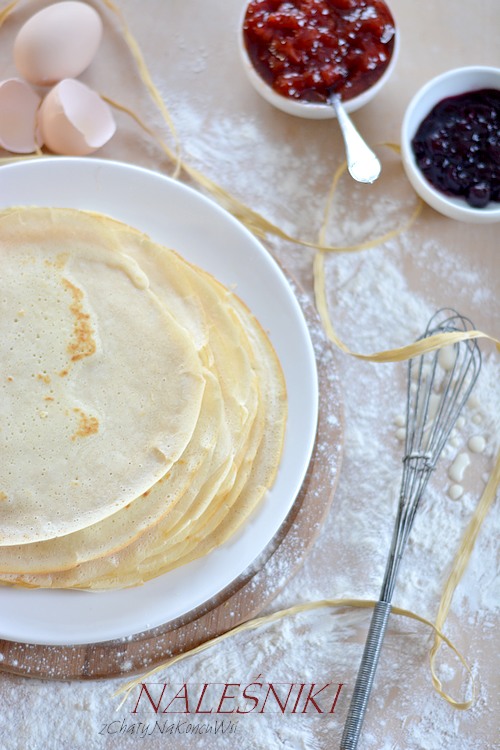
[(181, 218)]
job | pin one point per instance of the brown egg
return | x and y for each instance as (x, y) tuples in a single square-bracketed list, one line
[(74, 120), (18, 107)]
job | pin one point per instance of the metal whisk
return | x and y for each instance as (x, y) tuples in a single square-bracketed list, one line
[(439, 384)]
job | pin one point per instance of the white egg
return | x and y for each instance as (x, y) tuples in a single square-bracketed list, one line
[(58, 42), (18, 108), (74, 120)]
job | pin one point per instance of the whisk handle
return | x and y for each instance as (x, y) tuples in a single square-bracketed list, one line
[(366, 674)]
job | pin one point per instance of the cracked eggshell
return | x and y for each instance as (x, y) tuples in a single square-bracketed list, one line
[(58, 42), (74, 120), (18, 107)]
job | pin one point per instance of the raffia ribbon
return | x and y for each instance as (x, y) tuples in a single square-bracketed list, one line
[(458, 569), (262, 227), (295, 610)]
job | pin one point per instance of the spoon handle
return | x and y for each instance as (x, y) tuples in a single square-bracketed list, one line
[(362, 163)]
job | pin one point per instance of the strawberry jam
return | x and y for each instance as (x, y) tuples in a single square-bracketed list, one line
[(457, 146), (311, 49)]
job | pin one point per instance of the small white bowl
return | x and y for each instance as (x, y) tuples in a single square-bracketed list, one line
[(451, 83), (306, 109)]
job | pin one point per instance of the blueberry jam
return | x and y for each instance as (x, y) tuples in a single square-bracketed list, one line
[(457, 146)]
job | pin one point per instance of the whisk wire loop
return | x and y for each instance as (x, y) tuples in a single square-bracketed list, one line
[(439, 384)]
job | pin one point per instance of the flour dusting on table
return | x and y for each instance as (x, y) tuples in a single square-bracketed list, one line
[(378, 299)]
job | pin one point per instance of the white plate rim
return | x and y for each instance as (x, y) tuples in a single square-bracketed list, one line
[(179, 216)]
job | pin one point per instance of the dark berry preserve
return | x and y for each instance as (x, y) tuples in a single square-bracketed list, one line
[(457, 146), (311, 49)]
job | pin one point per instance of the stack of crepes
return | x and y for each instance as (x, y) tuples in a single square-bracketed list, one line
[(142, 406)]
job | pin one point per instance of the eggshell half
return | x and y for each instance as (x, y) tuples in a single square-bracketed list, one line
[(74, 120), (58, 42), (18, 110)]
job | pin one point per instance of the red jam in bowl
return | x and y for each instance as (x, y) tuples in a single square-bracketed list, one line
[(311, 49), (457, 146)]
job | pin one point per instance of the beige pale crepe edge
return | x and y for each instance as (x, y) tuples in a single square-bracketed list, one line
[(222, 519), (36, 223)]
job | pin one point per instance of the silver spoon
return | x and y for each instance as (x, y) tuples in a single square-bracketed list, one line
[(362, 163)]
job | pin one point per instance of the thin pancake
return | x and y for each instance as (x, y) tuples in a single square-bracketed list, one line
[(245, 459), (239, 404), (76, 317)]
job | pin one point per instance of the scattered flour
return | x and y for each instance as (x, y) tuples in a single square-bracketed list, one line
[(375, 304)]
